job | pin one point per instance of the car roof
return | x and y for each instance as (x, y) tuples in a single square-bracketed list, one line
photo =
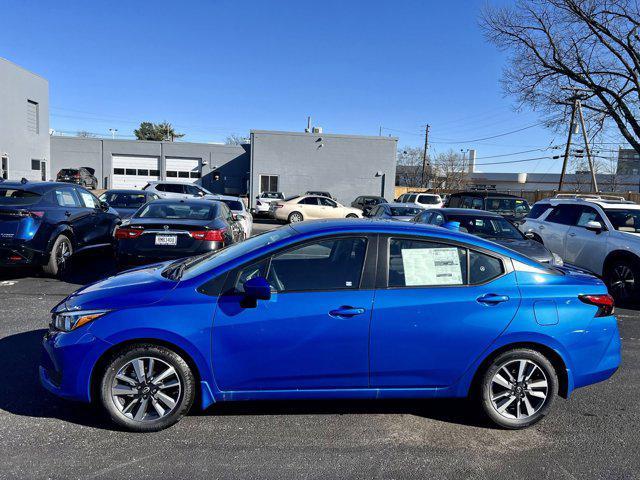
[(466, 212), (128, 190), (609, 205), (227, 197), (484, 194), (191, 201), (34, 186), (367, 225), (401, 204)]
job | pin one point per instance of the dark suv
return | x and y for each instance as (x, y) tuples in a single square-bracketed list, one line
[(44, 223), (83, 176), (509, 206)]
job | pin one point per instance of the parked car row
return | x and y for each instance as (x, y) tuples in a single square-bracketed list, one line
[(45, 223)]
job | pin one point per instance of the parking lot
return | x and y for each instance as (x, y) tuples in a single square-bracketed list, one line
[(594, 435)]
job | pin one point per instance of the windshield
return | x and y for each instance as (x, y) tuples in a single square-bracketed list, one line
[(404, 211), (68, 171), (233, 205), (177, 211), (624, 220), (488, 227), (429, 199), (276, 195), (14, 196), (198, 265), (125, 200), (507, 205)]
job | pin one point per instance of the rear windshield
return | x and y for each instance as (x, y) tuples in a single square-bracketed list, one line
[(404, 211), (276, 195), (15, 196), (233, 204), (177, 211), (429, 199), (68, 171), (292, 197), (507, 205), (125, 200)]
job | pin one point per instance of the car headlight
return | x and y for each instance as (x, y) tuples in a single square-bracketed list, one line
[(67, 321), (557, 259)]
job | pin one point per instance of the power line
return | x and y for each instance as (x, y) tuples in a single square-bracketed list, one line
[(514, 161), (492, 136)]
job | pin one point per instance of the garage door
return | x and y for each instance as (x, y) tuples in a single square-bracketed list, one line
[(183, 169), (134, 172)]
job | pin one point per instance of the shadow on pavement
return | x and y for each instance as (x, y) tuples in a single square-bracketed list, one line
[(22, 394)]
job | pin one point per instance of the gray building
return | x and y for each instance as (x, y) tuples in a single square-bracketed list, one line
[(628, 162), (132, 163), (344, 165), (24, 123), (290, 162)]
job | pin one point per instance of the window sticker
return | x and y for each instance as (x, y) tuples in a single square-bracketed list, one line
[(431, 266)]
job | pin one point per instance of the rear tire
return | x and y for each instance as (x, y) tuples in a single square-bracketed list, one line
[(352, 215), (146, 388), (623, 280), (61, 252), (518, 388), (295, 217)]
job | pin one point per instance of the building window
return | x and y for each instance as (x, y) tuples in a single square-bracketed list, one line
[(194, 174), (130, 171), (33, 117), (35, 164), (154, 173), (143, 172), (183, 174), (172, 174), (118, 171), (4, 168), (268, 183)]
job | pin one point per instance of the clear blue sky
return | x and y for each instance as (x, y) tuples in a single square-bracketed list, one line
[(213, 68)]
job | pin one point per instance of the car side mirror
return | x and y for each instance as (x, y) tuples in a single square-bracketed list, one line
[(237, 217), (104, 206), (256, 288), (201, 194), (530, 235), (594, 226)]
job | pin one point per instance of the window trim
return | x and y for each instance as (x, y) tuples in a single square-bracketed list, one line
[(367, 276), (382, 280)]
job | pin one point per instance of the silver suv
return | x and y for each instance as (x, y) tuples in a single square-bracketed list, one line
[(178, 190), (594, 232)]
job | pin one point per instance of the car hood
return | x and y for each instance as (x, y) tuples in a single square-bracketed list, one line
[(140, 286), (530, 248)]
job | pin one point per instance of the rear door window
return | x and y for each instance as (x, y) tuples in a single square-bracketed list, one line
[(538, 209), (564, 214), (588, 214)]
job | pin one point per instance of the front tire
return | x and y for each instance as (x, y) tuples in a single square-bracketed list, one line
[(295, 217), (352, 215), (146, 388), (518, 388), (59, 257)]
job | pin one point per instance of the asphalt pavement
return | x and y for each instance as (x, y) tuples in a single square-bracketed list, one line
[(595, 434)]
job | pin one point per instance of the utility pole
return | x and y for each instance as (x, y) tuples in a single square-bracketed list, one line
[(568, 146), (424, 155), (594, 182)]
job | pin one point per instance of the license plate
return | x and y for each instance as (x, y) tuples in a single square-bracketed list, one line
[(170, 240)]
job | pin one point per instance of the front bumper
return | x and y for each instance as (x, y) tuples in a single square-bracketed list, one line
[(67, 362)]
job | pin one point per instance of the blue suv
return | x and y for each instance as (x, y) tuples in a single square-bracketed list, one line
[(44, 223), (334, 309)]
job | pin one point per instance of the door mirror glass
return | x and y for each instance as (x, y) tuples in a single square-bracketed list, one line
[(257, 288), (593, 226), (104, 206)]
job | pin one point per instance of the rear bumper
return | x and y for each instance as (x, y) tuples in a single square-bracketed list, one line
[(21, 255), (605, 367), (129, 255)]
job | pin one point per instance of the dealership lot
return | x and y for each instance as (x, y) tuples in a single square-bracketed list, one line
[(595, 434)]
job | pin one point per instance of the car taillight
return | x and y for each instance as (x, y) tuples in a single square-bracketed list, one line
[(278, 205), (258, 202), (77, 175), (209, 235), (604, 303), (37, 214), (124, 233)]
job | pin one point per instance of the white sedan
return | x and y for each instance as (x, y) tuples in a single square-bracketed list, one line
[(310, 207), (238, 208)]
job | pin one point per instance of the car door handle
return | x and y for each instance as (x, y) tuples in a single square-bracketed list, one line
[(540, 227), (492, 299), (346, 312), (572, 234), (67, 213)]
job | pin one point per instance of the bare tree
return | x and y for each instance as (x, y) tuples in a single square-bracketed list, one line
[(451, 170), (85, 134), (561, 45), (409, 171), (234, 139)]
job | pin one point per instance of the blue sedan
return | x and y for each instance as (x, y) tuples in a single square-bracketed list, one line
[(334, 309)]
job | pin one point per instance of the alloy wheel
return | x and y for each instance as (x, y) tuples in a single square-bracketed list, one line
[(622, 281), (146, 389), (519, 389), (62, 254), (295, 218)]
